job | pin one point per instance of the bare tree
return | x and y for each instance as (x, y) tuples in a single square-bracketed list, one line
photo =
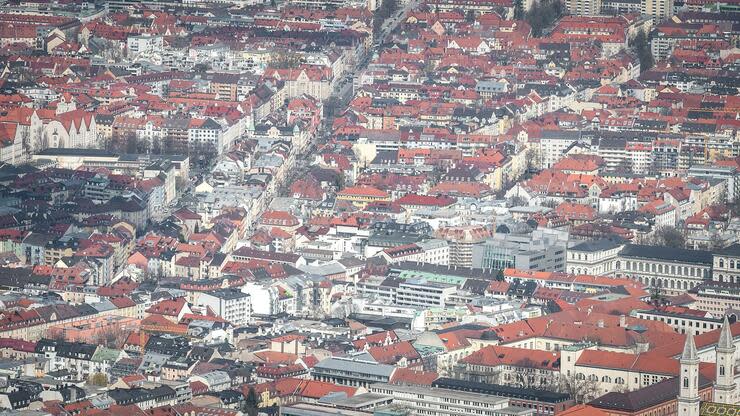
[(110, 50), (716, 242), (285, 60), (97, 379), (26, 143), (667, 237), (516, 201), (621, 388), (111, 338), (580, 388), (529, 376)]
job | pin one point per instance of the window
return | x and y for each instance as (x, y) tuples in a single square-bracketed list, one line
[(686, 382), (619, 380)]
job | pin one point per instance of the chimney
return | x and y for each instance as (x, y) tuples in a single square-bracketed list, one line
[(600, 323), (622, 320)]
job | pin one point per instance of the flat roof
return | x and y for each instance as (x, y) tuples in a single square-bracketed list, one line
[(68, 151), (501, 390), (440, 392), (358, 400), (305, 409)]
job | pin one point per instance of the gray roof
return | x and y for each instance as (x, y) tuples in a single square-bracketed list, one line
[(645, 397), (667, 254), (228, 294), (597, 245), (216, 377), (733, 250)]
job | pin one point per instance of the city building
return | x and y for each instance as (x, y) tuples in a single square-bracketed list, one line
[(671, 270), (445, 402), (231, 304), (541, 250), (594, 257)]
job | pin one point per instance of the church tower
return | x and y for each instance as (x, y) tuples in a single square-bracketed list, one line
[(724, 388), (688, 396)]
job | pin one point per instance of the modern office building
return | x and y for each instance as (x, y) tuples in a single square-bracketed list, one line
[(540, 250)]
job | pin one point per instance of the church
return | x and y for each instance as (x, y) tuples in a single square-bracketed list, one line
[(706, 383), (725, 394)]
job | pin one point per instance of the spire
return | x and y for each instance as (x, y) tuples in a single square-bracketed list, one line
[(689, 348), (725, 336)]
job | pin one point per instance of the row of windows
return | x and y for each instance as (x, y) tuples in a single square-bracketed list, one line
[(661, 268), (731, 263)]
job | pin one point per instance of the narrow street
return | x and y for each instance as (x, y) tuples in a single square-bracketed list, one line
[(340, 96)]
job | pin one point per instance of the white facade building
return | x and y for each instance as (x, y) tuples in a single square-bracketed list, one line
[(230, 304)]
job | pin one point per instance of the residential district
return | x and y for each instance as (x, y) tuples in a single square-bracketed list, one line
[(370, 207)]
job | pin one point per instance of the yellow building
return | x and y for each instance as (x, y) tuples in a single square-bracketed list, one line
[(360, 196)]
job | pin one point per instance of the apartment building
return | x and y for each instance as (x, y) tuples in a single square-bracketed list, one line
[(462, 239), (143, 44), (717, 298), (432, 251), (584, 7), (211, 135), (727, 174), (230, 304), (424, 293), (659, 10)]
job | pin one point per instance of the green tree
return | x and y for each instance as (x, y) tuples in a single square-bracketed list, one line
[(285, 60), (251, 403), (543, 14), (670, 237), (641, 46), (386, 9), (518, 10), (657, 297)]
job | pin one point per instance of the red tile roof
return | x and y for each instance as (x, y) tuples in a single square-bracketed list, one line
[(413, 377), (494, 356), (393, 353)]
